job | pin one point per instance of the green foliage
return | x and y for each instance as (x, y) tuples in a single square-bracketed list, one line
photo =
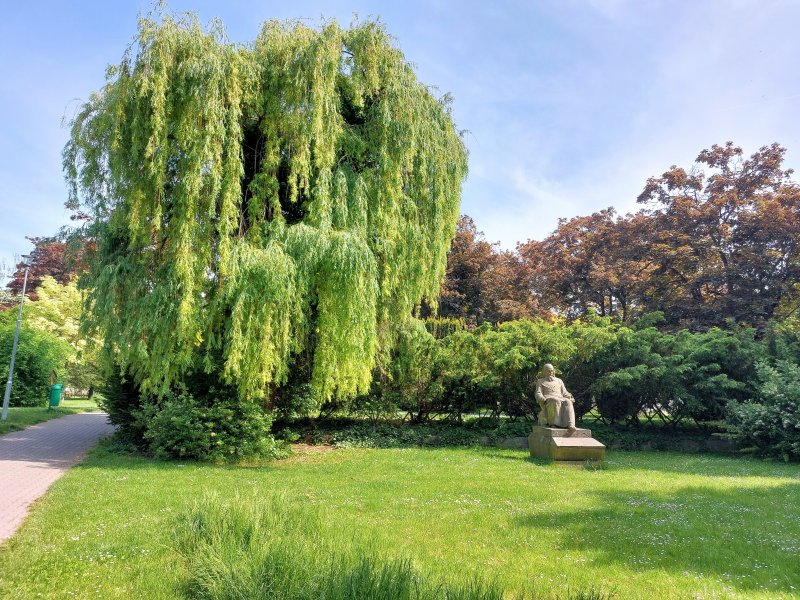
[(277, 204), (441, 327), (416, 378), (296, 400), (122, 400), (58, 310), (274, 548), (204, 419), (474, 432), (490, 370), (770, 422), (658, 435), (625, 372), (514, 352), (782, 340), (223, 429), (673, 376), (38, 354), (377, 406), (358, 434)]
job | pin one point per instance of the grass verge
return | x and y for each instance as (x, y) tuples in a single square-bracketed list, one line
[(20, 417)]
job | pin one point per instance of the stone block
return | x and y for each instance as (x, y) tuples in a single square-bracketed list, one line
[(560, 445)]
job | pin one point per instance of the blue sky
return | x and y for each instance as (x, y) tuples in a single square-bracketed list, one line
[(570, 105)]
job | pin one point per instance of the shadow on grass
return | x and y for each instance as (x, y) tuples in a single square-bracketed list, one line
[(749, 537), (679, 463)]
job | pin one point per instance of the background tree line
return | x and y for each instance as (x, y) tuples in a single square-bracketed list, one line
[(713, 244)]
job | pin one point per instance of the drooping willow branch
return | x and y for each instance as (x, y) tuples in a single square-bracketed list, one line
[(296, 195)]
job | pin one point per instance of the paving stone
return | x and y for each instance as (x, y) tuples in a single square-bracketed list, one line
[(33, 459)]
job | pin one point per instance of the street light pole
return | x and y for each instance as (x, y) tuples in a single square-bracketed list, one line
[(7, 396)]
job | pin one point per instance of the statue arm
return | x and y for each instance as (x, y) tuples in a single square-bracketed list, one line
[(564, 392), (538, 394)]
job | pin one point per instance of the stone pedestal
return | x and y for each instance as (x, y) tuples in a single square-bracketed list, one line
[(554, 443)]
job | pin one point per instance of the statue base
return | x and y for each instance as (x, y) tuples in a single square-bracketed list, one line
[(558, 444)]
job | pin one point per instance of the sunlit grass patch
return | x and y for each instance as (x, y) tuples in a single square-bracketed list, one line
[(20, 417), (650, 525), (273, 547)]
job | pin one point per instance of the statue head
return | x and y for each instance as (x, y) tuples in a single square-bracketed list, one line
[(549, 370)]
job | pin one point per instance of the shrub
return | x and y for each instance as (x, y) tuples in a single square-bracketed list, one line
[(771, 422), (206, 420), (676, 376), (38, 354), (121, 399), (782, 340), (619, 394), (623, 371), (296, 399), (415, 382), (215, 428), (490, 370), (375, 406)]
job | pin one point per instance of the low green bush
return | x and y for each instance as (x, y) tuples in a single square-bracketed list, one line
[(204, 419), (681, 376), (121, 399), (226, 429), (620, 370), (771, 421), (360, 433)]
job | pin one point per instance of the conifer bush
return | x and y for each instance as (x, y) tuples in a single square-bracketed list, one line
[(771, 421)]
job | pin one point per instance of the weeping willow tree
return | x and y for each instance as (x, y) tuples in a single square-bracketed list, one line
[(260, 205)]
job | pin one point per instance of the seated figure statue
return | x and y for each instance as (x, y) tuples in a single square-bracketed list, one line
[(555, 401)]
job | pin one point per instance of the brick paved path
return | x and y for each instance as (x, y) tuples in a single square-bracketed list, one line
[(32, 459)]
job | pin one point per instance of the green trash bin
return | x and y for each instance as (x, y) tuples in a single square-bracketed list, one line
[(55, 394)]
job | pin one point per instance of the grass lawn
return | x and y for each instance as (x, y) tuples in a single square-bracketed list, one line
[(20, 417), (650, 525)]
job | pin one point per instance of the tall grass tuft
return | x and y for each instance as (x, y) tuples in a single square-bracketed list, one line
[(273, 548)]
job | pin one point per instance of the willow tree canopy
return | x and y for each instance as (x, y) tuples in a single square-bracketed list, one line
[(291, 197)]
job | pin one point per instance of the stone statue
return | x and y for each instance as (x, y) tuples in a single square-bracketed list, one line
[(554, 401)]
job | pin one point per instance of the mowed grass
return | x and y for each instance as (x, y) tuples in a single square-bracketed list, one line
[(20, 417), (650, 525)]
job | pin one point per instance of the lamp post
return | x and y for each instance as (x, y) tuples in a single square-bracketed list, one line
[(7, 396)]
